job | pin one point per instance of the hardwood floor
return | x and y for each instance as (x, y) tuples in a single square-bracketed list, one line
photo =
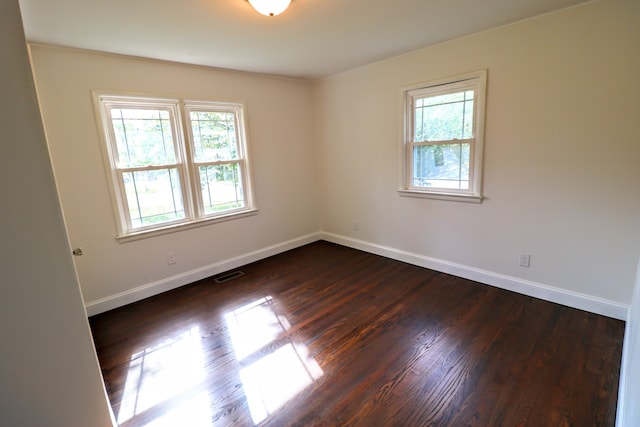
[(325, 335)]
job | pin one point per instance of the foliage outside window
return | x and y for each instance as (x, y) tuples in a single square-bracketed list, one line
[(167, 173), (444, 138)]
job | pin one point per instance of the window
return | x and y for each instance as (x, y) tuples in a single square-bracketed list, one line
[(166, 173), (444, 138)]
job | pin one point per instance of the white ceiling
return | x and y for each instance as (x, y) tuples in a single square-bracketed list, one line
[(311, 39)]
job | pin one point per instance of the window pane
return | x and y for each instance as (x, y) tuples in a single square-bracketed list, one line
[(441, 166), (153, 196), (143, 137), (221, 187), (444, 117), (214, 136)]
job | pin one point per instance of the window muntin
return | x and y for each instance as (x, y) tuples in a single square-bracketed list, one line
[(444, 117), (165, 173), (443, 137), (153, 197), (214, 135), (144, 137)]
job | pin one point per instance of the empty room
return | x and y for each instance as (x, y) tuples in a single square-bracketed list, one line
[(320, 213)]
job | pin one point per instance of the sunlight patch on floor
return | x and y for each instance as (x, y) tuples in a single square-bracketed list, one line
[(269, 380), (170, 373), (166, 383)]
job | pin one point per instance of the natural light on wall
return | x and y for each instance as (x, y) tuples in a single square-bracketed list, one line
[(268, 381)]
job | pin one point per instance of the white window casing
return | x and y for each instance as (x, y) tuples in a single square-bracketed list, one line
[(153, 166), (443, 138)]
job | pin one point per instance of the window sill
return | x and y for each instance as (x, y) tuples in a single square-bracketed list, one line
[(139, 235), (453, 197)]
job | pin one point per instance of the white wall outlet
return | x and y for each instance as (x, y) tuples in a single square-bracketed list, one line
[(525, 260), (355, 225), (171, 258)]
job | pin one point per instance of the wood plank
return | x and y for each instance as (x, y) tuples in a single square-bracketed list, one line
[(355, 339)]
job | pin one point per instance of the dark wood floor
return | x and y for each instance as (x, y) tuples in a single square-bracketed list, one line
[(326, 335)]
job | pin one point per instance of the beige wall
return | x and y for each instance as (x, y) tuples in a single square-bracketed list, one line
[(49, 374), (280, 140), (562, 152), (560, 171)]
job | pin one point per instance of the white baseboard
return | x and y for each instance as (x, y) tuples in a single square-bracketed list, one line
[(548, 293), (577, 300), (155, 288)]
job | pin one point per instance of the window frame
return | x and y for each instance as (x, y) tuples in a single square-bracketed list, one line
[(475, 81), (237, 109), (179, 109)]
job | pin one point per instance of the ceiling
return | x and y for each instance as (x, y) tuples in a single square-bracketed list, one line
[(310, 40)]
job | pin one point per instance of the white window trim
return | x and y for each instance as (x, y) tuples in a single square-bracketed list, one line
[(182, 134), (477, 79), (188, 106)]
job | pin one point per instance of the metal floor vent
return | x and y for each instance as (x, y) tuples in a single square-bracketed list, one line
[(225, 277)]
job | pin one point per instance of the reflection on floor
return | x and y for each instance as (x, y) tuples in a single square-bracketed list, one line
[(274, 368), (172, 370), (271, 379)]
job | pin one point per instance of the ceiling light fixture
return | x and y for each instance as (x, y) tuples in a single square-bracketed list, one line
[(270, 7)]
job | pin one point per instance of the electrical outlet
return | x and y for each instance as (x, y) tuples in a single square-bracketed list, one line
[(525, 260), (355, 225), (171, 258)]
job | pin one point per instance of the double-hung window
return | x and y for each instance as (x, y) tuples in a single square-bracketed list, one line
[(443, 138), (174, 163)]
